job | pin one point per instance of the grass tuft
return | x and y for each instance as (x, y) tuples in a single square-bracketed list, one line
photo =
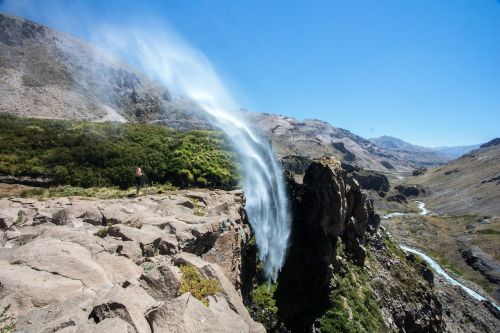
[(199, 286), (103, 231), (6, 324)]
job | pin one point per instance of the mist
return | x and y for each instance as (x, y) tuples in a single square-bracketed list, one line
[(163, 55)]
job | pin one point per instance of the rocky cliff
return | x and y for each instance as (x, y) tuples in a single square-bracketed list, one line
[(344, 273), (48, 74), (83, 265)]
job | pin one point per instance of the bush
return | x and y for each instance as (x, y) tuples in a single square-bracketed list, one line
[(353, 306), (103, 231), (86, 154), (199, 286), (6, 325)]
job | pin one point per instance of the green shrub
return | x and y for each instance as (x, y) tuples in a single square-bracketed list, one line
[(198, 209), (148, 267), (353, 306), (199, 286), (103, 231), (6, 324), (86, 154)]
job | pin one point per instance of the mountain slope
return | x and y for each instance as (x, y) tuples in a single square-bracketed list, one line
[(468, 185), (48, 74), (424, 156), (315, 138)]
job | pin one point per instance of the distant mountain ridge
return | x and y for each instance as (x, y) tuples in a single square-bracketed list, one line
[(429, 155)]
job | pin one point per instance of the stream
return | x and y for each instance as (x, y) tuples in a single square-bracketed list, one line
[(432, 263)]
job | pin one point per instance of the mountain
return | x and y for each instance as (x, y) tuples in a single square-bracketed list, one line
[(467, 185), (424, 156), (454, 152), (48, 74), (315, 139)]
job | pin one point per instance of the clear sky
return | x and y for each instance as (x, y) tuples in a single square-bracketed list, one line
[(426, 71)]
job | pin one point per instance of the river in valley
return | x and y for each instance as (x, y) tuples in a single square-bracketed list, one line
[(432, 263)]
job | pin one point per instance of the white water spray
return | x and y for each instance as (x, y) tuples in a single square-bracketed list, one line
[(167, 58)]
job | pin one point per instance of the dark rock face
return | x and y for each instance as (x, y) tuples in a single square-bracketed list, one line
[(419, 171), (296, 164), (482, 262), (397, 198), (347, 154), (372, 181), (326, 207), (411, 190), (388, 165)]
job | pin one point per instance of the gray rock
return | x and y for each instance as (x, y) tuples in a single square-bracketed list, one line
[(162, 283), (186, 314), (6, 222), (60, 217)]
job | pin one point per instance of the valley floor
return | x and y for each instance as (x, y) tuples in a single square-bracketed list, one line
[(467, 246)]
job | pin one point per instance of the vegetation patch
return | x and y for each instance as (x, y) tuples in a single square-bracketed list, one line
[(353, 306), (6, 324), (85, 154), (198, 209), (199, 286), (148, 267), (103, 231), (263, 306), (489, 232)]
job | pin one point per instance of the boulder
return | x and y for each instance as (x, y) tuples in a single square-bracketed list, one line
[(113, 325), (130, 304), (148, 241), (67, 316), (118, 269), (6, 222), (60, 217), (162, 282), (25, 288), (87, 212), (186, 314), (114, 214), (63, 258)]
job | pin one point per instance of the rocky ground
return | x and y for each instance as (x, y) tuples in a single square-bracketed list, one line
[(88, 265), (78, 264)]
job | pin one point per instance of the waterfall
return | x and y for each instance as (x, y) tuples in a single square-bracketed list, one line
[(163, 55)]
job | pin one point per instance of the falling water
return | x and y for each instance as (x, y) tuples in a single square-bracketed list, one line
[(167, 58)]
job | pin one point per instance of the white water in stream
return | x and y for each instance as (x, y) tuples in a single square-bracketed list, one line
[(162, 54), (433, 264)]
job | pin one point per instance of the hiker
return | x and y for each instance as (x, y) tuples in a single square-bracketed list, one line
[(138, 179)]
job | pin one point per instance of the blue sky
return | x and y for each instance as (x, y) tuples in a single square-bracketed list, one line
[(425, 71)]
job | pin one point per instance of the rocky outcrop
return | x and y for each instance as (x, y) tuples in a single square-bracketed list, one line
[(419, 171), (328, 209), (410, 190), (370, 180), (342, 272), (91, 265)]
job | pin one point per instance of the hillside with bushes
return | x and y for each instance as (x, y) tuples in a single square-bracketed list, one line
[(86, 154)]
